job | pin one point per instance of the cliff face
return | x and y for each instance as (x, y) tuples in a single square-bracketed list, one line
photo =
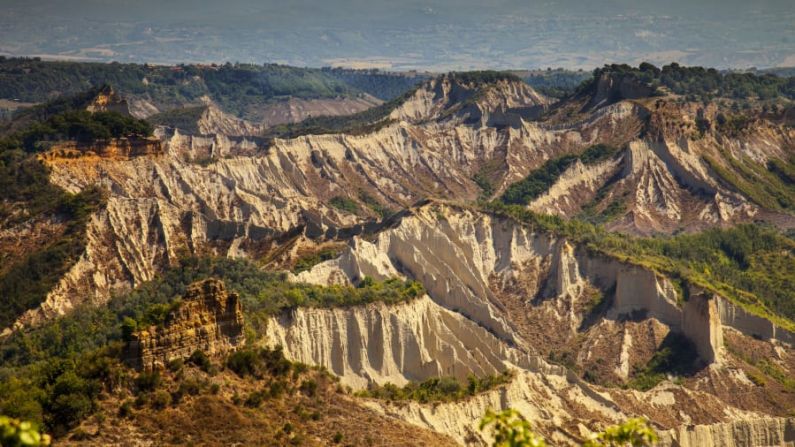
[(231, 196), (120, 149), (499, 294), (208, 319), (397, 344), (449, 97), (480, 266), (525, 296)]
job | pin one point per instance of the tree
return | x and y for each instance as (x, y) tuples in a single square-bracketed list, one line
[(633, 432), (510, 429)]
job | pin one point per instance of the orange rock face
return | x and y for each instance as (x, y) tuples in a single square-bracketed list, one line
[(209, 319)]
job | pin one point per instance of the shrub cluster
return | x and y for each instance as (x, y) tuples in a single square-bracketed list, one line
[(541, 179), (437, 389)]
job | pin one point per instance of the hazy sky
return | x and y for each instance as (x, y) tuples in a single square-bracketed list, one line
[(435, 34)]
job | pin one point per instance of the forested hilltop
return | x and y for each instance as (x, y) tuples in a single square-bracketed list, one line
[(236, 87), (703, 83)]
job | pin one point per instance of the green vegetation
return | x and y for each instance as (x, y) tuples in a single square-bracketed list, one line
[(184, 118), (25, 281), (752, 265), (16, 433), (53, 374), (511, 429), (344, 204), (360, 123), (676, 356), (437, 389), (486, 176), (373, 203), (763, 369), (770, 187), (262, 294), (541, 179), (26, 193), (702, 83), (556, 83), (67, 119), (259, 362), (238, 88), (482, 77), (305, 263), (382, 85)]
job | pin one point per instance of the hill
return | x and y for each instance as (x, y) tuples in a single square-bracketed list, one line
[(472, 244)]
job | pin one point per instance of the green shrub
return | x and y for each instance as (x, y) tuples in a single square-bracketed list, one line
[(200, 359), (541, 179), (160, 399), (175, 365), (345, 204), (255, 399), (676, 355), (510, 429), (126, 409), (307, 262), (243, 363), (308, 387), (437, 389), (147, 381)]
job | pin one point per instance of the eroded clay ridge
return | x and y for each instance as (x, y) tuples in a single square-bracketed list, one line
[(501, 296), (231, 196)]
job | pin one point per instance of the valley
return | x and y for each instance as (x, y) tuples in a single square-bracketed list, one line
[(408, 261)]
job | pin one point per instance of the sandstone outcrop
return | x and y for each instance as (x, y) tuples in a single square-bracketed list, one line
[(207, 319), (116, 149)]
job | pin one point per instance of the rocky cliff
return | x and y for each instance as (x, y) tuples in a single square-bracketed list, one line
[(395, 344), (207, 319), (526, 298)]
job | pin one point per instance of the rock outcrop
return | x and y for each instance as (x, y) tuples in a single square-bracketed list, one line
[(207, 319), (398, 344), (501, 294), (119, 149), (465, 259)]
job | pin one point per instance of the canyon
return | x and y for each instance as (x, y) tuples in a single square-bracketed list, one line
[(408, 198)]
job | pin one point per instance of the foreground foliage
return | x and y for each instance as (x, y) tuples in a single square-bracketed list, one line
[(16, 433), (510, 429)]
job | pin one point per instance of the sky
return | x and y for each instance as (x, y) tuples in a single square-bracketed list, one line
[(407, 34)]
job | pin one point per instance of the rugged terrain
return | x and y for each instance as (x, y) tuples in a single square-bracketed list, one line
[(453, 186)]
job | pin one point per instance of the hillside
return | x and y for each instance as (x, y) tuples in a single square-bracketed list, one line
[(253, 92), (471, 244)]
